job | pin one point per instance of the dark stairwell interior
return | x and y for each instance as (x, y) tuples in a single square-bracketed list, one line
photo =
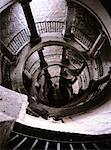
[(63, 64)]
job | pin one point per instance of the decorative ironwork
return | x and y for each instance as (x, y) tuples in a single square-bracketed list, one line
[(19, 41), (49, 26), (22, 38), (19, 140), (77, 33)]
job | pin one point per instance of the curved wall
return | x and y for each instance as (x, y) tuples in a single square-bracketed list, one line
[(97, 7), (5, 3)]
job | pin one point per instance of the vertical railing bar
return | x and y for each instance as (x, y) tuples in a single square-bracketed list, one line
[(51, 29), (38, 26), (48, 26), (46, 146), (13, 138), (15, 46), (58, 146), (19, 40), (57, 26), (41, 30), (71, 147), (84, 147), (22, 37), (26, 34), (11, 46), (53, 25), (18, 145), (34, 144), (16, 43), (44, 27), (95, 145)]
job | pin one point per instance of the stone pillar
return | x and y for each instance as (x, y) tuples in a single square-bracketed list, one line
[(35, 38), (97, 44), (69, 19), (12, 106)]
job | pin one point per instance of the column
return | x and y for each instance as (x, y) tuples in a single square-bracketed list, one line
[(35, 38), (69, 19), (97, 44)]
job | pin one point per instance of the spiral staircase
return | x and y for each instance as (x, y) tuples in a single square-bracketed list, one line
[(65, 70)]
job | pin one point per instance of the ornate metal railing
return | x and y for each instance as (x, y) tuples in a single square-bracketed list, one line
[(49, 26), (22, 38), (82, 37), (84, 142), (19, 41)]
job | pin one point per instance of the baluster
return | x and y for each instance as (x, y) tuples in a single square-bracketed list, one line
[(22, 37), (54, 26), (15, 46), (46, 26)]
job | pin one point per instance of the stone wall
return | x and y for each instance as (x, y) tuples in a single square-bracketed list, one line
[(49, 10), (98, 8), (12, 106), (86, 22), (12, 21)]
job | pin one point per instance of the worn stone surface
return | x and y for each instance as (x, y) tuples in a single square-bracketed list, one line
[(12, 103), (12, 21), (94, 122), (12, 106), (48, 10)]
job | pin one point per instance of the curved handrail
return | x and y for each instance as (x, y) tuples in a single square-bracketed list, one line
[(22, 38), (49, 26), (19, 41), (82, 37)]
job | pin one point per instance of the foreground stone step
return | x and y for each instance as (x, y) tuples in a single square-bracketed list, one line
[(12, 106)]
